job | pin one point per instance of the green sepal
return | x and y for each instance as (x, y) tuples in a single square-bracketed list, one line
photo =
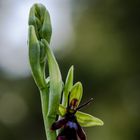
[(62, 110), (87, 120), (76, 92), (67, 87)]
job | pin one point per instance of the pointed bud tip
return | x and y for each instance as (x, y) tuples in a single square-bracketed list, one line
[(72, 68), (70, 72), (78, 86)]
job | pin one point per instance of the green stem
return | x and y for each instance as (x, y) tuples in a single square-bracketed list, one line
[(51, 135), (39, 52)]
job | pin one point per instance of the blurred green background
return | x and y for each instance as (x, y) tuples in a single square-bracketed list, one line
[(101, 39)]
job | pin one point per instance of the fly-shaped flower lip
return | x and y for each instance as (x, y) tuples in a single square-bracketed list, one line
[(84, 119)]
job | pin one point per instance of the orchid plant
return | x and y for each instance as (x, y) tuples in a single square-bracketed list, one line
[(52, 86)]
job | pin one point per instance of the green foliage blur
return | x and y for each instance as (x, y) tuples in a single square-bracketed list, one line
[(105, 54)]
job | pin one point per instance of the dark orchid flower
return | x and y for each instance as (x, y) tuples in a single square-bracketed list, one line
[(72, 119)]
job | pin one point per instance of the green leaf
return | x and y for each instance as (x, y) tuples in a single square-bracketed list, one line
[(87, 120), (62, 110), (68, 86), (76, 92), (55, 81)]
